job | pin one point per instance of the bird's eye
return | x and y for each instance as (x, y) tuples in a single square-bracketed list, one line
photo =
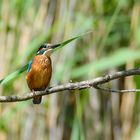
[(41, 47)]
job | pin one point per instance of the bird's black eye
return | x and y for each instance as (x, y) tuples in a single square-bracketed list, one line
[(43, 46), (42, 49)]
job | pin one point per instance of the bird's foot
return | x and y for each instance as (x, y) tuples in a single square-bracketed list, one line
[(33, 92), (46, 90)]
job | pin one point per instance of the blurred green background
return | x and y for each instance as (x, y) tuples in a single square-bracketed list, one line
[(113, 45)]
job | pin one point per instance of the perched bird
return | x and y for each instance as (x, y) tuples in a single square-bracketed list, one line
[(40, 70)]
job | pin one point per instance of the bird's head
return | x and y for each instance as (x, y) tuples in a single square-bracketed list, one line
[(47, 49)]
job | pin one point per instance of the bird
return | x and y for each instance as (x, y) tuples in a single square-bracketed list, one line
[(40, 70)]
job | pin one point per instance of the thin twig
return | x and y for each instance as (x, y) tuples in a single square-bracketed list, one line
[(116, 90), (77, 85)]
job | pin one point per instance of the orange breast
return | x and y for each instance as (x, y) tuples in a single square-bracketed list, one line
[(40, 73)]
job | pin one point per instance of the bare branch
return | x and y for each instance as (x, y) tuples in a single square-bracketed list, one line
[(77, 85)]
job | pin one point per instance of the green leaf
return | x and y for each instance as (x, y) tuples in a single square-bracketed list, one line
[(13, 75), (120, 57), (72, 39)]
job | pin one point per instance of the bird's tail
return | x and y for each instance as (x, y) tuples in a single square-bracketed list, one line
[(37, 99)]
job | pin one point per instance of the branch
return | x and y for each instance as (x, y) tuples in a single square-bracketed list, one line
[(77, 85)]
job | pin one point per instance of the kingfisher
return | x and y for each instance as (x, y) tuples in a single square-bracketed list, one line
[(40, 70)]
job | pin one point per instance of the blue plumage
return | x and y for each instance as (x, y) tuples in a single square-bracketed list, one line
[(30, 65), (41, 51)]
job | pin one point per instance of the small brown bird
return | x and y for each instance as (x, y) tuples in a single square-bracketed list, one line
[(40, 70)]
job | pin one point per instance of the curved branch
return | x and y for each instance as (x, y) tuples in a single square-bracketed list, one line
[(73, 86)]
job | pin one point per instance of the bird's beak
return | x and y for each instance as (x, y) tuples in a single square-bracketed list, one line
[(51, 48)]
